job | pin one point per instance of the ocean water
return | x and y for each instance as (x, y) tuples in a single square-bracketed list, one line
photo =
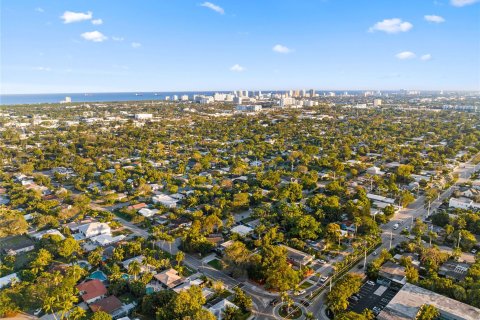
[(15, 99)]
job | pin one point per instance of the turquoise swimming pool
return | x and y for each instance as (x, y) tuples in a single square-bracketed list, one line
[(98, 275)]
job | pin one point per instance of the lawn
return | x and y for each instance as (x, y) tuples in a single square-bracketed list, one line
[(305, 285), (217, 264)]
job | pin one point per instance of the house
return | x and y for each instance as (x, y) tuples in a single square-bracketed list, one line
[(169, 278), (187, 285), (454, 270), (147, 213), (375, 197), (298, 257), (92, 290), (110, 305), (138, 259), (94, 229), (375, 171), (165, 200), (41, 234), (16, 245), (242, 230), (106, 239), (219, 308), (407, 303), (392, 275), (463, 203), (8, 279), (137, 206)]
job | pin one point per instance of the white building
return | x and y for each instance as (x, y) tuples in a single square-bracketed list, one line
[(463, 203), (184, 97), (143, 116), (375, 171), (242, 230), (219, 308), (147, 213), (285, 102), (377, 102), (165, 200), (249, 108), (4, 281), (94, 229)]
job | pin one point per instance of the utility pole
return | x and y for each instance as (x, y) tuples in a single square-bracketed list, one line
[(391, 238), (365, 258)]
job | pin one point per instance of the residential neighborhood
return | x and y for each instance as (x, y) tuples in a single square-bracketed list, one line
[(270, 212)]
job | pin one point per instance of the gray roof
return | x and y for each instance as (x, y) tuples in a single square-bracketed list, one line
[(408, 301)]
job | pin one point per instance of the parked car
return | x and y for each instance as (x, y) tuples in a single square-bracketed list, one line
[(370, 282), (375, 253), (323, 279), (299, 292), (395, 226), (474, 251)]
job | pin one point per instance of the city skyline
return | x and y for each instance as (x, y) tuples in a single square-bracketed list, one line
[(226, 45)]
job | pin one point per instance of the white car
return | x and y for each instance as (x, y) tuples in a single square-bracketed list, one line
[(395, 226), (299, 292), (323, 279)]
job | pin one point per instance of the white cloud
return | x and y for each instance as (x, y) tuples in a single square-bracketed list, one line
[(95, 36), (214, 7), (39, 10), (434, 18), (462, 3), (281, 49), (426, 57), (97, 21), (237, 68), (117, 39), (70, 16), (405, 55), (136, 45), (394, 25)]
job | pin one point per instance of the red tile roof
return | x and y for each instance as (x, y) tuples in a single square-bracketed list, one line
[(92, 289)]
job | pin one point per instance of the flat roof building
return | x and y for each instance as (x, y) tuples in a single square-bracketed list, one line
[(408, 301)]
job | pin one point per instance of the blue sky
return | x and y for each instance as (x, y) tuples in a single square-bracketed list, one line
[(166, 45)]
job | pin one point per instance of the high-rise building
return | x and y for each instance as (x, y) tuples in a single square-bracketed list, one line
[(312, 93)]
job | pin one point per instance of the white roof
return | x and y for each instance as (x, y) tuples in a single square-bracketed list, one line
[(148, 212), (8, 279), (241, 230), (218, 308), (39, 235), (105, 239), (94, 228)]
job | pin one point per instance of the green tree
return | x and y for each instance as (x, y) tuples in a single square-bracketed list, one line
[(428, 312), (12, 222), (101, 315), (68, 248)]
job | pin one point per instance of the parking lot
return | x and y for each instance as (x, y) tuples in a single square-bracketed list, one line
[(374, 297)]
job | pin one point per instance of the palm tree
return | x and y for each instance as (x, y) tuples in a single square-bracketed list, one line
[(134, 268), (49, 305)]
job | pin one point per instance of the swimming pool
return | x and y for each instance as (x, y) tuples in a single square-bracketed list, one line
[(98, 275)]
